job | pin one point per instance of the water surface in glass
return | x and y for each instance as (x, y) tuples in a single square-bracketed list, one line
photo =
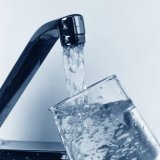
[(105, 127)]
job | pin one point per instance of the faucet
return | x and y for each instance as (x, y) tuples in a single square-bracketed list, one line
[(70, 29)]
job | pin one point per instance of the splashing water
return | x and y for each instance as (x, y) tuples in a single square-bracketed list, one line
[(112, 131), (74, 69)]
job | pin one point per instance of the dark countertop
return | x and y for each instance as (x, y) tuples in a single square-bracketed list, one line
[(31, 150), (24, 155)]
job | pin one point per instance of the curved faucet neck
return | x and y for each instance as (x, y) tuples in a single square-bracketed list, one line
[(71, 31)]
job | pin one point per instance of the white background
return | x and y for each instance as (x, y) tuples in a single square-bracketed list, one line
[(122, 37)]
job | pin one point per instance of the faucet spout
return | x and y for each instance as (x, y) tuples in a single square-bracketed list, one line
[(71, 31)]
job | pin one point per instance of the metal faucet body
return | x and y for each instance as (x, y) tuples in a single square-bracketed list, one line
[(69, 29)]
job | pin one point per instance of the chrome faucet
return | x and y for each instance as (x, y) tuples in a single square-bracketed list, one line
[(71, 31)]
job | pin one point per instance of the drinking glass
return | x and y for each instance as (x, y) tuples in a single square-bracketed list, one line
[(102, 123)]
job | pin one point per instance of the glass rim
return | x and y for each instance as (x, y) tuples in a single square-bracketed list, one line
[(69, 99)]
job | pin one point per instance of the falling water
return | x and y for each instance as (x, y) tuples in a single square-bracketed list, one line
[(74, 69)]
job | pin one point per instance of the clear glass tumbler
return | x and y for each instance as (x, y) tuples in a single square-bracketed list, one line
[(102, 123)]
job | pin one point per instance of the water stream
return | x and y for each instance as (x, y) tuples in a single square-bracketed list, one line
[(74, 69)]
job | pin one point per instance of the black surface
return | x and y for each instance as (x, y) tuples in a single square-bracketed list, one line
[(26, 155)]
